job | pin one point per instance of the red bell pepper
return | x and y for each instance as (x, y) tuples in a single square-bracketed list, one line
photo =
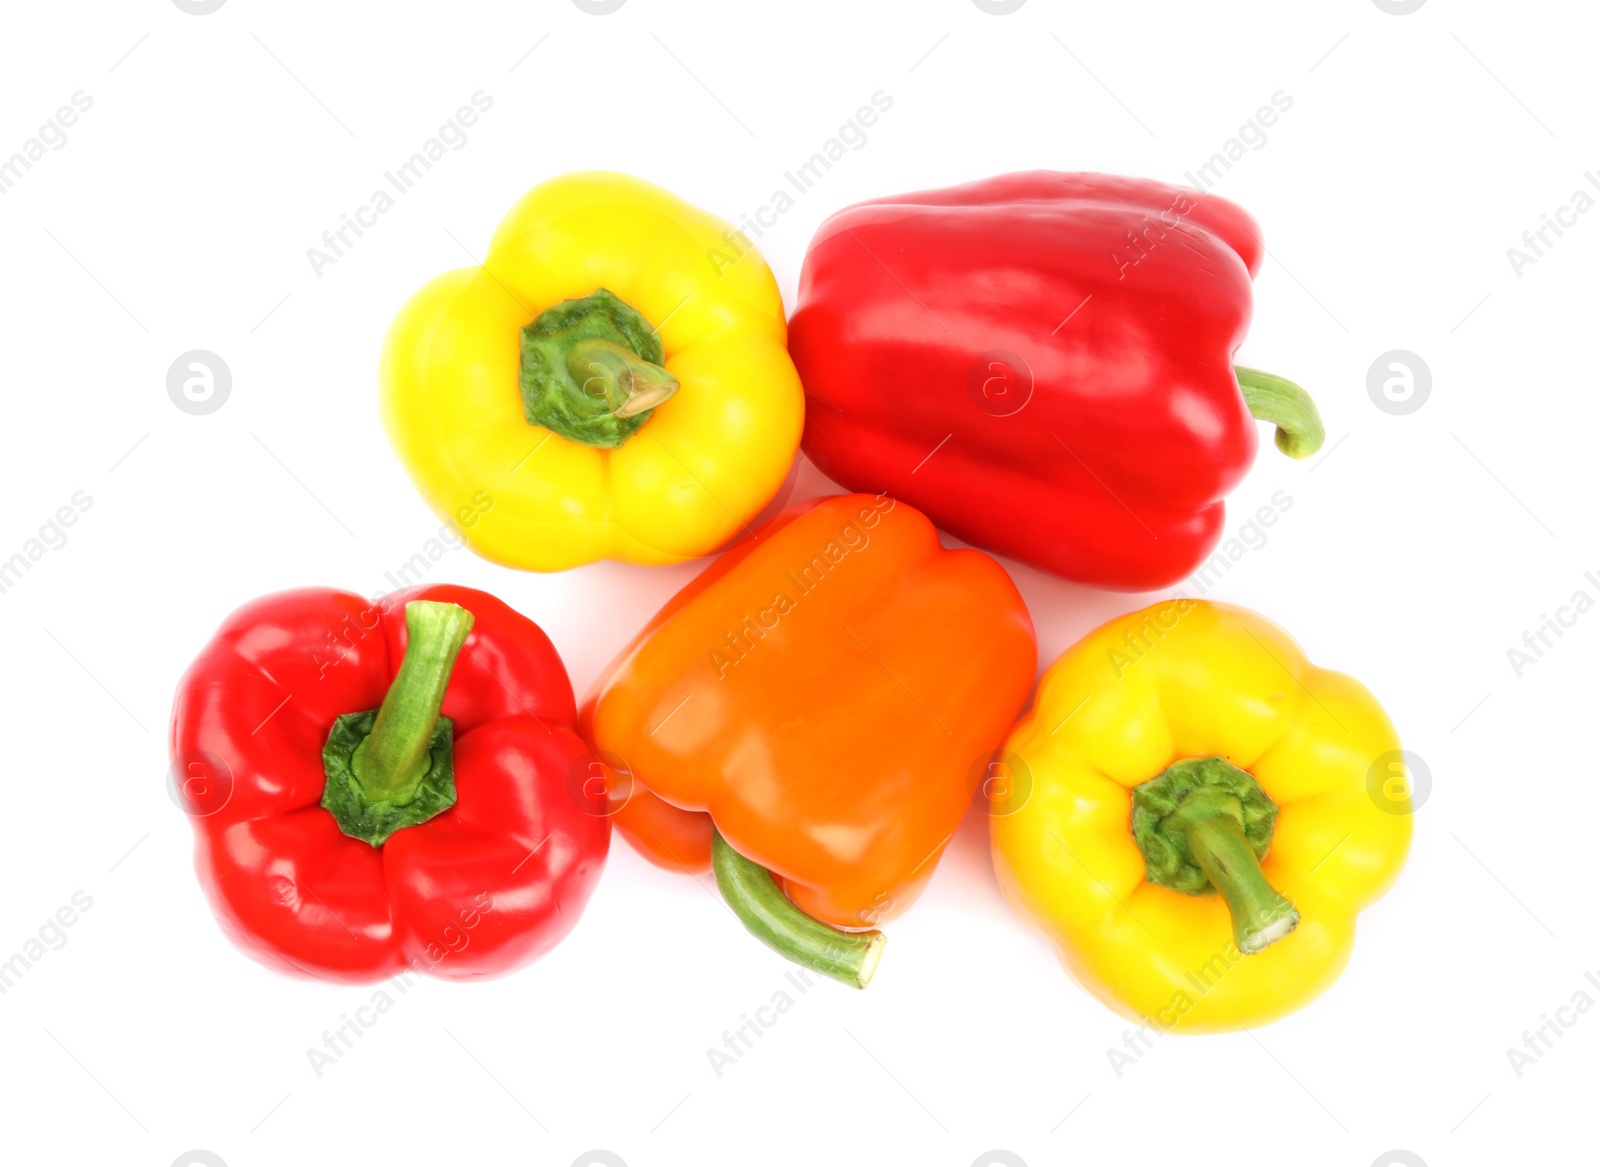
[(1043, 364), (376, 786)]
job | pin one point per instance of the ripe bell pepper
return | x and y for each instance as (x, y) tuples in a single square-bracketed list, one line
[(819, 705), (1185, 751), (607, 384), (1043, 363), (377, 786)]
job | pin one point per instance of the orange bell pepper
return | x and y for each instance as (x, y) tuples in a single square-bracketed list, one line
[(820, 703)]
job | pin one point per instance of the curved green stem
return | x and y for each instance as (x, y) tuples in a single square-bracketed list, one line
[(392, 759), (1285, 405), (754, 896), (627, 383), (592, 370), (1218, 847), (1204, 825), (393, 767)]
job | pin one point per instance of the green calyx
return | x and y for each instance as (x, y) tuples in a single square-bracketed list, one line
[(394, 766), (373, 820), (1203, 827), (1285, 405), (771, 916), (591, 370)]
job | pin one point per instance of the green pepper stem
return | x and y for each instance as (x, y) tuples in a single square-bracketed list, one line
[(391, 762), (1204, 825), (1217, 845), (619, 376), (758, 901), (1285, 405), (592, 370)]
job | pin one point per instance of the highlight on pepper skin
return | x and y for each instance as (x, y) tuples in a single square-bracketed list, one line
[(617, 390), (1199, 833)]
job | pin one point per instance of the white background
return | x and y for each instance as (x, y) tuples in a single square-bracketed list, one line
[(1417, 551)]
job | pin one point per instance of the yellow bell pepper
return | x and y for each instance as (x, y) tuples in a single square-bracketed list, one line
[(612, 381), (1182, 751)]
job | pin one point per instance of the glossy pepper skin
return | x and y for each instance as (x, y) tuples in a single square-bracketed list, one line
[(1043, 364), (1183, 685), (827, 693), (484, 886), (653, 416)]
